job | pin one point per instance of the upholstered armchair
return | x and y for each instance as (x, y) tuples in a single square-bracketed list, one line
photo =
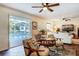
[(32, 48)]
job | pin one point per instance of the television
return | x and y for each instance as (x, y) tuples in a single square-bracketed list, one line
[(68, 27)]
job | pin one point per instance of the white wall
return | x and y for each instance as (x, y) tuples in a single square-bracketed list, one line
[(4, 19), (3, 32)]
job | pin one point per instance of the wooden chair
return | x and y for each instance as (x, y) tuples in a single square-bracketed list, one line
[(30, 48)]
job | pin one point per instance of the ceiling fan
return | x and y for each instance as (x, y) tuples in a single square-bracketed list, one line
[(46, 6)]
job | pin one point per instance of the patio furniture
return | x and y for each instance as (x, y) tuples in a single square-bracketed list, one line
[(32, 46)]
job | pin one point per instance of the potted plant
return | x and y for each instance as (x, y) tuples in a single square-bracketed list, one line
[(43, 32)]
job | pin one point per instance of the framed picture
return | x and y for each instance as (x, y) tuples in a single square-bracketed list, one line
[(34, 25)]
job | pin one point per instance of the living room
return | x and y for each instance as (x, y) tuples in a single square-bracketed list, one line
[(62, 22)]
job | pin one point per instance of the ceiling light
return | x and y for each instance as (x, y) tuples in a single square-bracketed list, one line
[(44, 3), (66, 19), (45, 8)]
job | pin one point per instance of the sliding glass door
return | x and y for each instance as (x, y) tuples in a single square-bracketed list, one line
[(20, 28)]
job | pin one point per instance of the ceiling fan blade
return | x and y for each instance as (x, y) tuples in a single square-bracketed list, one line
[(37, 7), (41, 10), (47, 4), (43, 4), (50, 9), (56, 4)]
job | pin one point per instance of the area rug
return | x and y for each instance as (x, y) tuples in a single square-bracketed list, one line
[(62, 52)]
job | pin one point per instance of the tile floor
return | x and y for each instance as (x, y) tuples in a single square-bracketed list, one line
[(17, 51)]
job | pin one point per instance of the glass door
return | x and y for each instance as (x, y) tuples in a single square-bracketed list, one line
[(20, 28)]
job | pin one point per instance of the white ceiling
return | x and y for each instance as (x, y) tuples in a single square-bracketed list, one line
[(64, 10)]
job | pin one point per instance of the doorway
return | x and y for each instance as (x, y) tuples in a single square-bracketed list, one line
[(20, 28)]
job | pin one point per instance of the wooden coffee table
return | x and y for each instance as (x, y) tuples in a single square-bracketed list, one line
[(47, 43)]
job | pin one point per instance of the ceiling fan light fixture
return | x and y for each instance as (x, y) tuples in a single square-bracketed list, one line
[(45, 8), (44, 3)]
